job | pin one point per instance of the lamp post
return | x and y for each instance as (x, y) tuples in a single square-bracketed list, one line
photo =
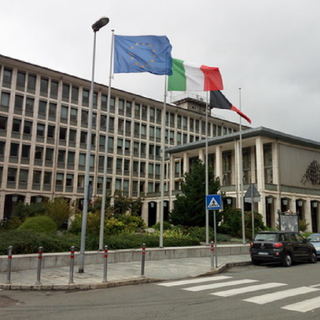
[(95, 27)]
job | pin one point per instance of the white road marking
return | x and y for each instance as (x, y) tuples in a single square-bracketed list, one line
[(219, 285), (191, 281), (233, 292), (279, 295), (304, 306)]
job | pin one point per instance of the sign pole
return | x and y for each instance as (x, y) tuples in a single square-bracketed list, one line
[(215, 236)]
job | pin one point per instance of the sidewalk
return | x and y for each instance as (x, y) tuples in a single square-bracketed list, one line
[(119, 274)]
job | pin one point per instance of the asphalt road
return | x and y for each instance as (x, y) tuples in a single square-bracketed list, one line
[(252, 292)]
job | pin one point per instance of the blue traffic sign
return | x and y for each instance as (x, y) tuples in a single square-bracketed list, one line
[(214, 202)]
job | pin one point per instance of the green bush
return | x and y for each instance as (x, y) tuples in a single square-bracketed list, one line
[(29, 241), (166, 226), (39, 224)]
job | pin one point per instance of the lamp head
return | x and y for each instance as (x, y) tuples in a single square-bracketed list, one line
[(100, 24)]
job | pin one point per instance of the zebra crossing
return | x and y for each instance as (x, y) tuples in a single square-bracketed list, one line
[(212, 285)]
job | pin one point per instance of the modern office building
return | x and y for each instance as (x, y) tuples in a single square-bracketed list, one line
[(43, 135), (284, 169)]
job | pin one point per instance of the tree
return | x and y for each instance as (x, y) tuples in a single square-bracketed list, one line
[(58, 210), (189, 207)]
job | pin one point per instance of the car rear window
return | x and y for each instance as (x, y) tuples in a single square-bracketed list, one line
[(266, 237), (314, 237)]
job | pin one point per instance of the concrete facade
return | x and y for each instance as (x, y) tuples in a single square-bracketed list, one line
[(43, 134), (285, 170)]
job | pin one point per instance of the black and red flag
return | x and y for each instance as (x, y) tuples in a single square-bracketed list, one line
[(218, 100)]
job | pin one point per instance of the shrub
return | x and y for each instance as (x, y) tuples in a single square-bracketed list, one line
[(29, 241), (39, 224), (166, 226)]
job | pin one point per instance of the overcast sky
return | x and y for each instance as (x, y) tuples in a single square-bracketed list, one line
[(268, 48)]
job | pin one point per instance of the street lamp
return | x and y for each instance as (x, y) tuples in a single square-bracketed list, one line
[(95, 27)]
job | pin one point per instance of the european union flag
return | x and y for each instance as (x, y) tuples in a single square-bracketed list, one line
[(142, 54)]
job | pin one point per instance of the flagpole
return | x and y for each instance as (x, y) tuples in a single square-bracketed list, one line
[(241, 173), (162, 162), (105, 166), (207, 174)]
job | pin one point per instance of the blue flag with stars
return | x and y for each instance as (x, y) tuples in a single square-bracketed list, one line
[(142, 54)]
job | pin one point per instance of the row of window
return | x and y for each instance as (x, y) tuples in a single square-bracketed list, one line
[(43, 180)]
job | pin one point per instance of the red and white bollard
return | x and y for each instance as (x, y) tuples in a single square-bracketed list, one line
[(212, 254), (143, 259), (40, 252), (105, 264), (72, 250), (9, 265)]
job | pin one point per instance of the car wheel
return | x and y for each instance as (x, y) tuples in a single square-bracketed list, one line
[(313, 258), (287, 260), (255, 262)]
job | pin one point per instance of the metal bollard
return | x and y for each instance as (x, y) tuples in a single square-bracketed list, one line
[(212, 254), (40, 251), (9, 265), (105, 264), (71, 265), (143, 260)]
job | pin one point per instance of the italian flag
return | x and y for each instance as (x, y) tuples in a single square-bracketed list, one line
[(194, 77)]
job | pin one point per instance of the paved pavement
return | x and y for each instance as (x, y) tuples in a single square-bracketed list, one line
[(119, 274)]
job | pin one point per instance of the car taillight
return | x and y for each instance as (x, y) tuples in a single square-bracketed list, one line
[(277, 245), (251, 244)]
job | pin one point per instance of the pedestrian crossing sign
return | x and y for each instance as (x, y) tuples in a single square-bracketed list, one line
[(214, 202)]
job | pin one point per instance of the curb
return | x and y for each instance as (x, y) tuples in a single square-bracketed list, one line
[(112, 284)]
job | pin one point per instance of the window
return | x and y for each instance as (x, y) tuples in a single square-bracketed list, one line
[(84, 117), (18, 103), (44, 86), (23, 178), (119, 164), (36, 177), (127, 145), (38, 153), (71, 158), (40, 130), (69, 180), (158, 116), (72, 135), (25, 153), (83, 137), (63, 134), (59, 179), (5, 99), (21, 80), (52, 110), (128, 127), (144, 112), (151, 115), (151, 132), (42, 107), (14, 150), (12, 174), (82, 159), (61, 156), (64, 113), (49, 154), (54, 89), (16, 125), (27, 127), (47, 178), (7, 77), (104, 102), (3, 123), (85, 97), (121, 106), (75, 94), (137, 111), (2, 145), (32, 80), (73, 115), (65, 92), (29, 105), (128, 109), (110, 143), (120, 144)]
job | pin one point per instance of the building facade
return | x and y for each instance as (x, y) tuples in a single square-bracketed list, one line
[(285, 170), (43, 135)]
